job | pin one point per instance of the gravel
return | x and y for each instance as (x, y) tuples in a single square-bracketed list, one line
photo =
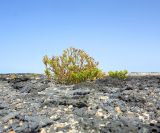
[(32, 104)]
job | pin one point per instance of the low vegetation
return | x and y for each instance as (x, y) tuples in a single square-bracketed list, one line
[(118, 74), (73, 66), (13, 76)]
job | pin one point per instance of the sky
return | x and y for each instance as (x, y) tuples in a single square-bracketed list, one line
[(119, 34)]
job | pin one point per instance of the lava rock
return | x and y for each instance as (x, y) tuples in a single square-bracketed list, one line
[(29, 104)]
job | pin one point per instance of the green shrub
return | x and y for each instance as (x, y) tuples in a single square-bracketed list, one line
[(13, 76), (34, 75), (118, 74), (73, 66)]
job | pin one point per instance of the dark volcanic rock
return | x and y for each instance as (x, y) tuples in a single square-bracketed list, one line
[(30, 86), (32, 104)]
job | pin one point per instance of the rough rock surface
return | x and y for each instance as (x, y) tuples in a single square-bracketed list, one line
[(31, 104)]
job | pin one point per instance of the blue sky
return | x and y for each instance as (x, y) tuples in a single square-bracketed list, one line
[(120, 34)]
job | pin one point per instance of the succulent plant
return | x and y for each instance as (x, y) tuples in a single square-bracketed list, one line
[(118, 74), (73, 66)]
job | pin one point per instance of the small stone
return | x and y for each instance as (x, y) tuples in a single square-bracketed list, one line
[(65, 109), (58, 111), (118, 110), (152, 94), (72, 131), (21, 123), (73, 122), (153, 121), (5, 127), (141, 118), (18, 100), (103, 98), (102, 125), (10, 121), (99, 113), (43, 130), (70, 106), (146, 115), (150, 104), (59, 126), (30, 113), (130, 113), (89, 108), (55, 117), (59, 132), (12, 132), (19, 106), (44, 107)]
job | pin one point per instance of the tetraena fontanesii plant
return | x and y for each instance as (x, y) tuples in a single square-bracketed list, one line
[(118, 74), (73, 66)]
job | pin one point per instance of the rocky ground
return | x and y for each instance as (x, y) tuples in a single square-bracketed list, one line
[(31, 104)]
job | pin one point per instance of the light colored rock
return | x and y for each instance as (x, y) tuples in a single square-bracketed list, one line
[(105, 98), (60, 125), (99, 113), (12, 132), (118, 110), (43, 130)]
